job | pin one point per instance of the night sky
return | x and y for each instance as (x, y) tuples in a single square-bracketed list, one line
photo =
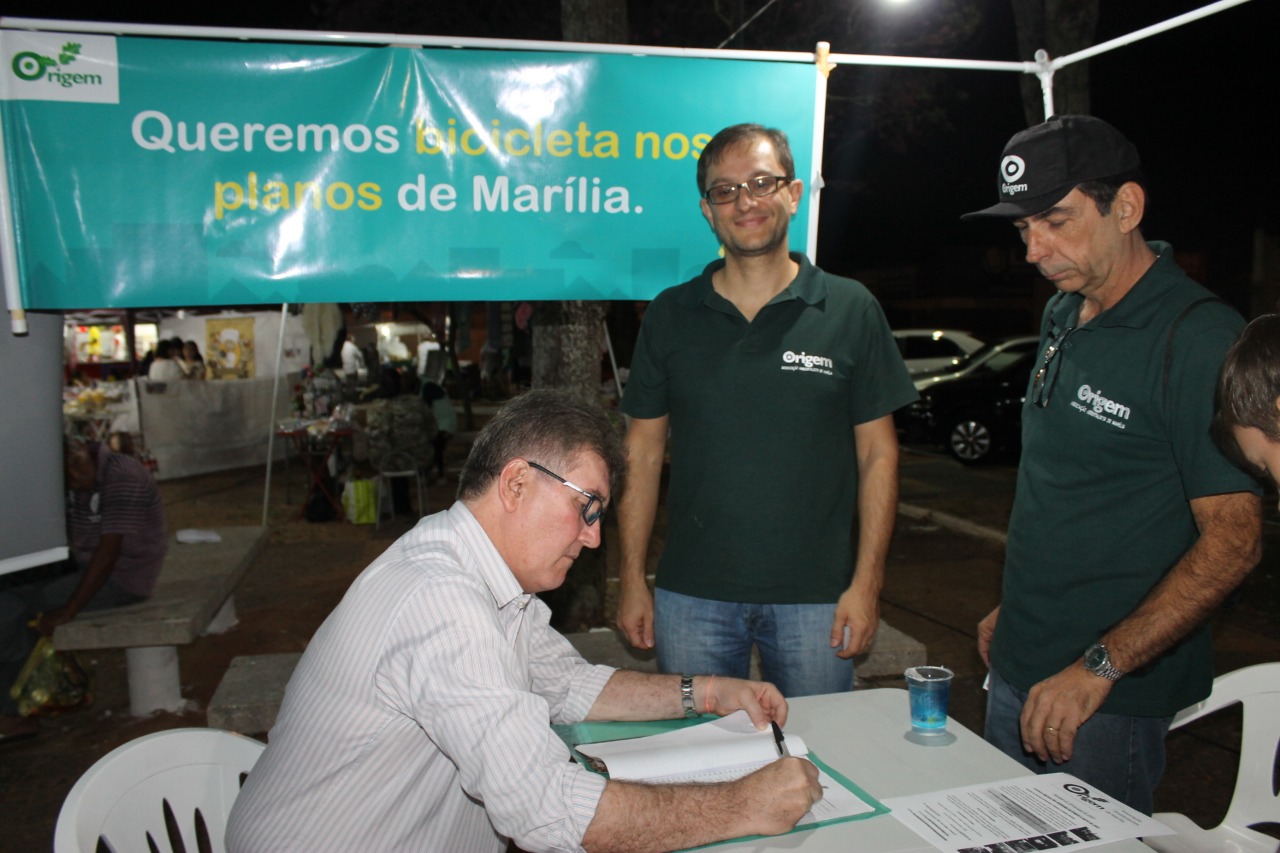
[(1193, 100)]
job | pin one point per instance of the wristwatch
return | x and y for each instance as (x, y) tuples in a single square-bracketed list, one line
[(686, 696), (1098, 661)]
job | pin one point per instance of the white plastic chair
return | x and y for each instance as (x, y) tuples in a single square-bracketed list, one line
[(397, 463), (1257, 688), (167, 791)]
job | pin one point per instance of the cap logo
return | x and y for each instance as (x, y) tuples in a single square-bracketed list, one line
[(1011, 168)]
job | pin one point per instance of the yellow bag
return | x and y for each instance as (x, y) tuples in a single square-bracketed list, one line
[(50, 681), (360, 501)]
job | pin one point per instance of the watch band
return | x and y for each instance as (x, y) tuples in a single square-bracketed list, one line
[(1098, 661), (686, 696)]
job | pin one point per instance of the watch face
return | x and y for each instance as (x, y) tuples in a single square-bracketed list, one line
[(1095, 657)]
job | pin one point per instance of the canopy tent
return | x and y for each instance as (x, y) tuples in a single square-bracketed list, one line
[(530, 169)]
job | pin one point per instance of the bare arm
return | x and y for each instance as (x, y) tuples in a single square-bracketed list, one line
[(859, 606), (637, 817), (101, 564), (653, 818), (1228, 548), (631, 695), (646, 448)]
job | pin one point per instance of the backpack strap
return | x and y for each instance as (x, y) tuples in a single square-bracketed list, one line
[(1168, 345)]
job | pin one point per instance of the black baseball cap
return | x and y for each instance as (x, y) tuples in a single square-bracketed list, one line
[(1042, 164)]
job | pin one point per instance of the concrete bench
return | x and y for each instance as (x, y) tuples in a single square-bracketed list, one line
[(891, 652), (249, 695), (192, 596)]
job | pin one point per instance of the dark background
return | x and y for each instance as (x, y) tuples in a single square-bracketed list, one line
[(908, 150)]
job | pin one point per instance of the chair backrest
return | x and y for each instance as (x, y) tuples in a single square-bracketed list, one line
[(168, 791), (398, 463), (1257, 688)]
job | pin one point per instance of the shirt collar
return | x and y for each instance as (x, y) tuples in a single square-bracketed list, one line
[(809, 285), (488, 563)]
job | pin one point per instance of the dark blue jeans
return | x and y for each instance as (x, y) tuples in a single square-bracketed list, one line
[(701, 636), (1121, 756)]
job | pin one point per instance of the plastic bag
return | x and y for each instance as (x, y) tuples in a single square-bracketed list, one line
[(359, 499), (50, 681)]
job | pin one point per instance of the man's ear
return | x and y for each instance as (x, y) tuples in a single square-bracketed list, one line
[(1129, 206), (513, 482)]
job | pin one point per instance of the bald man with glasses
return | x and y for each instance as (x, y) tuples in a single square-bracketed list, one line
[(420, 716)]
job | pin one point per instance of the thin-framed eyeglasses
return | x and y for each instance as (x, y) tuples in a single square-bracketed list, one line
[(1046, 377), (592, 509), (759, 186)]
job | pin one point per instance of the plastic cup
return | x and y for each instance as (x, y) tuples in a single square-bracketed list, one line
[(929, 688)]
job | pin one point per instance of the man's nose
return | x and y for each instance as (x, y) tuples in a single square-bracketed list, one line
[(590, 534), (1037, 247)]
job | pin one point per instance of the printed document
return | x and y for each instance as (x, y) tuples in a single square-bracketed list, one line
[(1021, 815)]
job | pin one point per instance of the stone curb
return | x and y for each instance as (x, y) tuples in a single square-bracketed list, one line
[(953, 522)]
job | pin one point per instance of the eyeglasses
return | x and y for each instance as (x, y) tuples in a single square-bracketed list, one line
[(1043, 383), (759, 186), (592, 509)]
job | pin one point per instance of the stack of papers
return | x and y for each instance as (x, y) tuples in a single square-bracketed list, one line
[(722, 750)]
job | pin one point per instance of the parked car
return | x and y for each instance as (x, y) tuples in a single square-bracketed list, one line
[(993, 355), (932, 349), (978, 413)]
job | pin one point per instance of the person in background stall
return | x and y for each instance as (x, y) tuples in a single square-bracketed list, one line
[(192, 362), (164, 368)]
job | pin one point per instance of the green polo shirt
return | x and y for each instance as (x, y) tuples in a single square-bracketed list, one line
[(1108, 467), (763, 465)]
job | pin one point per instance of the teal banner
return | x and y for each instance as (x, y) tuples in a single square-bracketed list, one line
[(171, 172)]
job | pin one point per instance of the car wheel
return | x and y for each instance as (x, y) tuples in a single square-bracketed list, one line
[(970, 440)]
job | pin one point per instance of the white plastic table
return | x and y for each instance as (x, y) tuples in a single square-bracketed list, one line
[(862, 735)]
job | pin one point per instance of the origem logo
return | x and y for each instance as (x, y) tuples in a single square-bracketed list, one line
[(48, 66), (32, 66), (806, 363), (1011, 168)]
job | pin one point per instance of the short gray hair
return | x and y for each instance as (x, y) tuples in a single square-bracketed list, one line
[(549, 427)]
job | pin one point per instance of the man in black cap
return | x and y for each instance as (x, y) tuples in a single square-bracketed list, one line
[(1129, 528)]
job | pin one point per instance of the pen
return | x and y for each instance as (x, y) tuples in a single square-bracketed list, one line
[(778, 741)]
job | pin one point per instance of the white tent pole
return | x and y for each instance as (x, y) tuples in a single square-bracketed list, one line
[(613, 361), (1044, 70), (271, 427), (1138, 35)]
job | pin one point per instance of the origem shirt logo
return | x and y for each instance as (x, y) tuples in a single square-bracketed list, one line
[(1095, 405), (59, 67), (806, 363), (1011, 168)]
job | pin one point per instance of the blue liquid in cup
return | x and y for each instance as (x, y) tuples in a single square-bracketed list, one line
[(929, 688)]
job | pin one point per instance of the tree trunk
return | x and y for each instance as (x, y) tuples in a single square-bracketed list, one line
[(1060, 27), (567, 341)]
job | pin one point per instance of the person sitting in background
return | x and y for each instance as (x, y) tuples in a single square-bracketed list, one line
[(1247, 428), (116, 530), (192, 362), (419, 717), (164, 368)]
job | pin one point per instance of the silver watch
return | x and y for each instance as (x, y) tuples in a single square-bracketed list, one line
[(1098, 661)]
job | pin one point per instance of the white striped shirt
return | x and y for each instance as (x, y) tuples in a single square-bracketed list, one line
[(419, 716)]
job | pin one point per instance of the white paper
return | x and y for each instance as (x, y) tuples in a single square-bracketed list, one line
[(718, 751), (1021, 815)]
